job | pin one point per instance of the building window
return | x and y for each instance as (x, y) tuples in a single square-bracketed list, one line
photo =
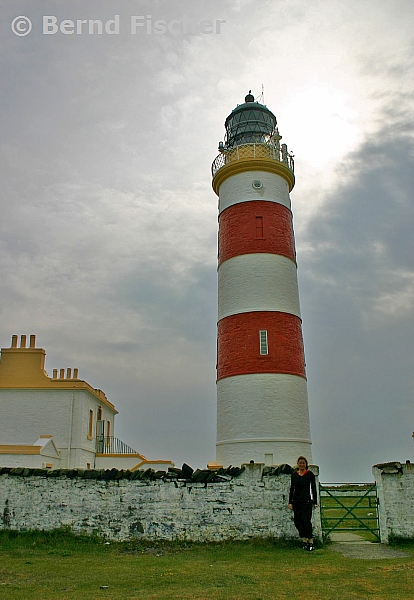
[(264, 348), (107, 437), (259, 228), (90, 429), (88, 465), (99, 413)]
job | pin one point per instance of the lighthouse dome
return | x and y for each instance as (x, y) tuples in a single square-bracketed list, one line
[(250, 123)]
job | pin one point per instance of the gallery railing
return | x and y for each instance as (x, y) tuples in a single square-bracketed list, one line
[(245, 151), (112, 445)]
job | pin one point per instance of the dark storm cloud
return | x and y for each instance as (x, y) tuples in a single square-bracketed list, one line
[(357, 285), (365, 228)]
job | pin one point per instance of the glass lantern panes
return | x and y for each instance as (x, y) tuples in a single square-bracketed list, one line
[(250, 124)]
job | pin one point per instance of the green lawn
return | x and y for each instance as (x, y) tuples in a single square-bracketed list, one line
[(41, 566)]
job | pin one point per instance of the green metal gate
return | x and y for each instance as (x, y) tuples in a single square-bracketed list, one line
[(349, 507)]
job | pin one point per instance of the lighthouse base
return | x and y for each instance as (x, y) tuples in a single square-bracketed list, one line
[(262, 417), (269, 452)]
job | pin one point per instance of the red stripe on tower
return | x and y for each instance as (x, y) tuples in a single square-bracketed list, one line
[(260, 342), (258, 226)]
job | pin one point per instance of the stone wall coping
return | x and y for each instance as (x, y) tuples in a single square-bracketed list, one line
[(394, 467), (187, 474)]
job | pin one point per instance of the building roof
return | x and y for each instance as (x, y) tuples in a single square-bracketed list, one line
[(23, 368)]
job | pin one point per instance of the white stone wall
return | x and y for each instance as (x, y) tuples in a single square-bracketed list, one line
[(395, 489), (243, 507)]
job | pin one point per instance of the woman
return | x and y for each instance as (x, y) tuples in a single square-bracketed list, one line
[(302, 499)]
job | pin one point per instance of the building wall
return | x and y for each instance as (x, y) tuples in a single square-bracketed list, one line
[(25, 414), (395, 489), (241, 508), (31, 461)]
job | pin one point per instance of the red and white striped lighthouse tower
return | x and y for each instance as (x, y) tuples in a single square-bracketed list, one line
[(262, 401)]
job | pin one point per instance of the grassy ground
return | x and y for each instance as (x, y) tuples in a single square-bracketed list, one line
[(41, 566)]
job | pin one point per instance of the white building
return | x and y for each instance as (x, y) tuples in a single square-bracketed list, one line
[(58, 422)]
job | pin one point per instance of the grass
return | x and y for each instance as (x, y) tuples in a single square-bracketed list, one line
[(58, 565)]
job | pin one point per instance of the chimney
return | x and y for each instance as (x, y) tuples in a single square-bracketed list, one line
[(75, 373), (22, 341), (14, 341), (32, 341), (62, 374), (54, 373), (69, 373)]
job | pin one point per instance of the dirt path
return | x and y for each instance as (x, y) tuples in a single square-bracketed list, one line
[(352, 545)]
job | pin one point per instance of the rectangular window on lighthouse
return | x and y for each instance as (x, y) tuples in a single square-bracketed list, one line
[(259, 228), (264, 348)]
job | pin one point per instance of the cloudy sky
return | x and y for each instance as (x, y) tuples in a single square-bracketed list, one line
[(108, 221)]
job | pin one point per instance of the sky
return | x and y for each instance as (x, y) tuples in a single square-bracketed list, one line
[(108, 228)]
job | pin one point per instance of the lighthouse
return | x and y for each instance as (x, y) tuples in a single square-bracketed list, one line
[(262, 400)]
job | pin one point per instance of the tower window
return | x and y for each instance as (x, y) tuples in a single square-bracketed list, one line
[(259, 228), (264, 347)]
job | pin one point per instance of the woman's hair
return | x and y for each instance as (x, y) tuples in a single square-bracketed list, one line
[(302, 458)]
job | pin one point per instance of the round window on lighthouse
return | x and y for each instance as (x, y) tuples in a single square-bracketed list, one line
[(257, 184)]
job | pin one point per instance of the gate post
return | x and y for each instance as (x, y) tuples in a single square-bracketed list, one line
[(395, 483), (316, 513), (382, 515)]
